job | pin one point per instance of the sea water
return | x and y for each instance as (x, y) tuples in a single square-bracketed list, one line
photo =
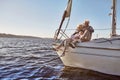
[(35, 59)]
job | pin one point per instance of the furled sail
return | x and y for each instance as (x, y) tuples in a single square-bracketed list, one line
[(66, 14), (68, 8)]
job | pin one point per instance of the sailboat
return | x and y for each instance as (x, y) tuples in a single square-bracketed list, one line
[(101, 54)]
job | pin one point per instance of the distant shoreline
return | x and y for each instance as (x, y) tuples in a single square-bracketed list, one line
[(4, 35)]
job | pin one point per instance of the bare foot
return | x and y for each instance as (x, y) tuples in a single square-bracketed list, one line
[(72, 45), (63, 54), (55, 49)]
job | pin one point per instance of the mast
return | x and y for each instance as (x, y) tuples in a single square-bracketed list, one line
[(114, 17)]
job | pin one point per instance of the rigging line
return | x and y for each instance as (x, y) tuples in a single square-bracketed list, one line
[(65, 34), (69, 12), (65, 28), (110, 40), (97, 29), (66, 14), (52, 59), (106, 41)]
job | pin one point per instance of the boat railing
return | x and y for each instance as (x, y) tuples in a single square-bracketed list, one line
[(61, 36), (99, 33)]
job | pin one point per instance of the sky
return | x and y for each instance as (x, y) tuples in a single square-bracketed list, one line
[(42, 17)]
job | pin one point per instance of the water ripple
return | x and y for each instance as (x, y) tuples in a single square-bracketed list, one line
[(34, 59)]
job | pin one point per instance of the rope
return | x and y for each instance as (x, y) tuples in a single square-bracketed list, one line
[(99, 29), (65, 28), (52, 60), (64, 34), (63, 54), (46, 62)]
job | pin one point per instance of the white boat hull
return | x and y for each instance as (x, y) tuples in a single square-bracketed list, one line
[(105, 60)]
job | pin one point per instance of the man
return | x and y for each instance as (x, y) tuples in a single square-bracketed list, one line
[(88, 30)]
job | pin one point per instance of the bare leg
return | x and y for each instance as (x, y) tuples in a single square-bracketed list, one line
[(60, 45), (65, 47)]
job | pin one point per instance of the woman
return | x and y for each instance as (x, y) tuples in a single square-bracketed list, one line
[(77, 35), (73, 39)]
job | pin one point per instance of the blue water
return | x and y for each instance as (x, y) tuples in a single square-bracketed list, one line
[(35, 59)]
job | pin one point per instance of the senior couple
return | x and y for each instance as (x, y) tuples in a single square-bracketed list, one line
[(83, 33)]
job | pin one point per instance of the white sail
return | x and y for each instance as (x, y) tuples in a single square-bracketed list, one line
[(68, 8), (65, 15)]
